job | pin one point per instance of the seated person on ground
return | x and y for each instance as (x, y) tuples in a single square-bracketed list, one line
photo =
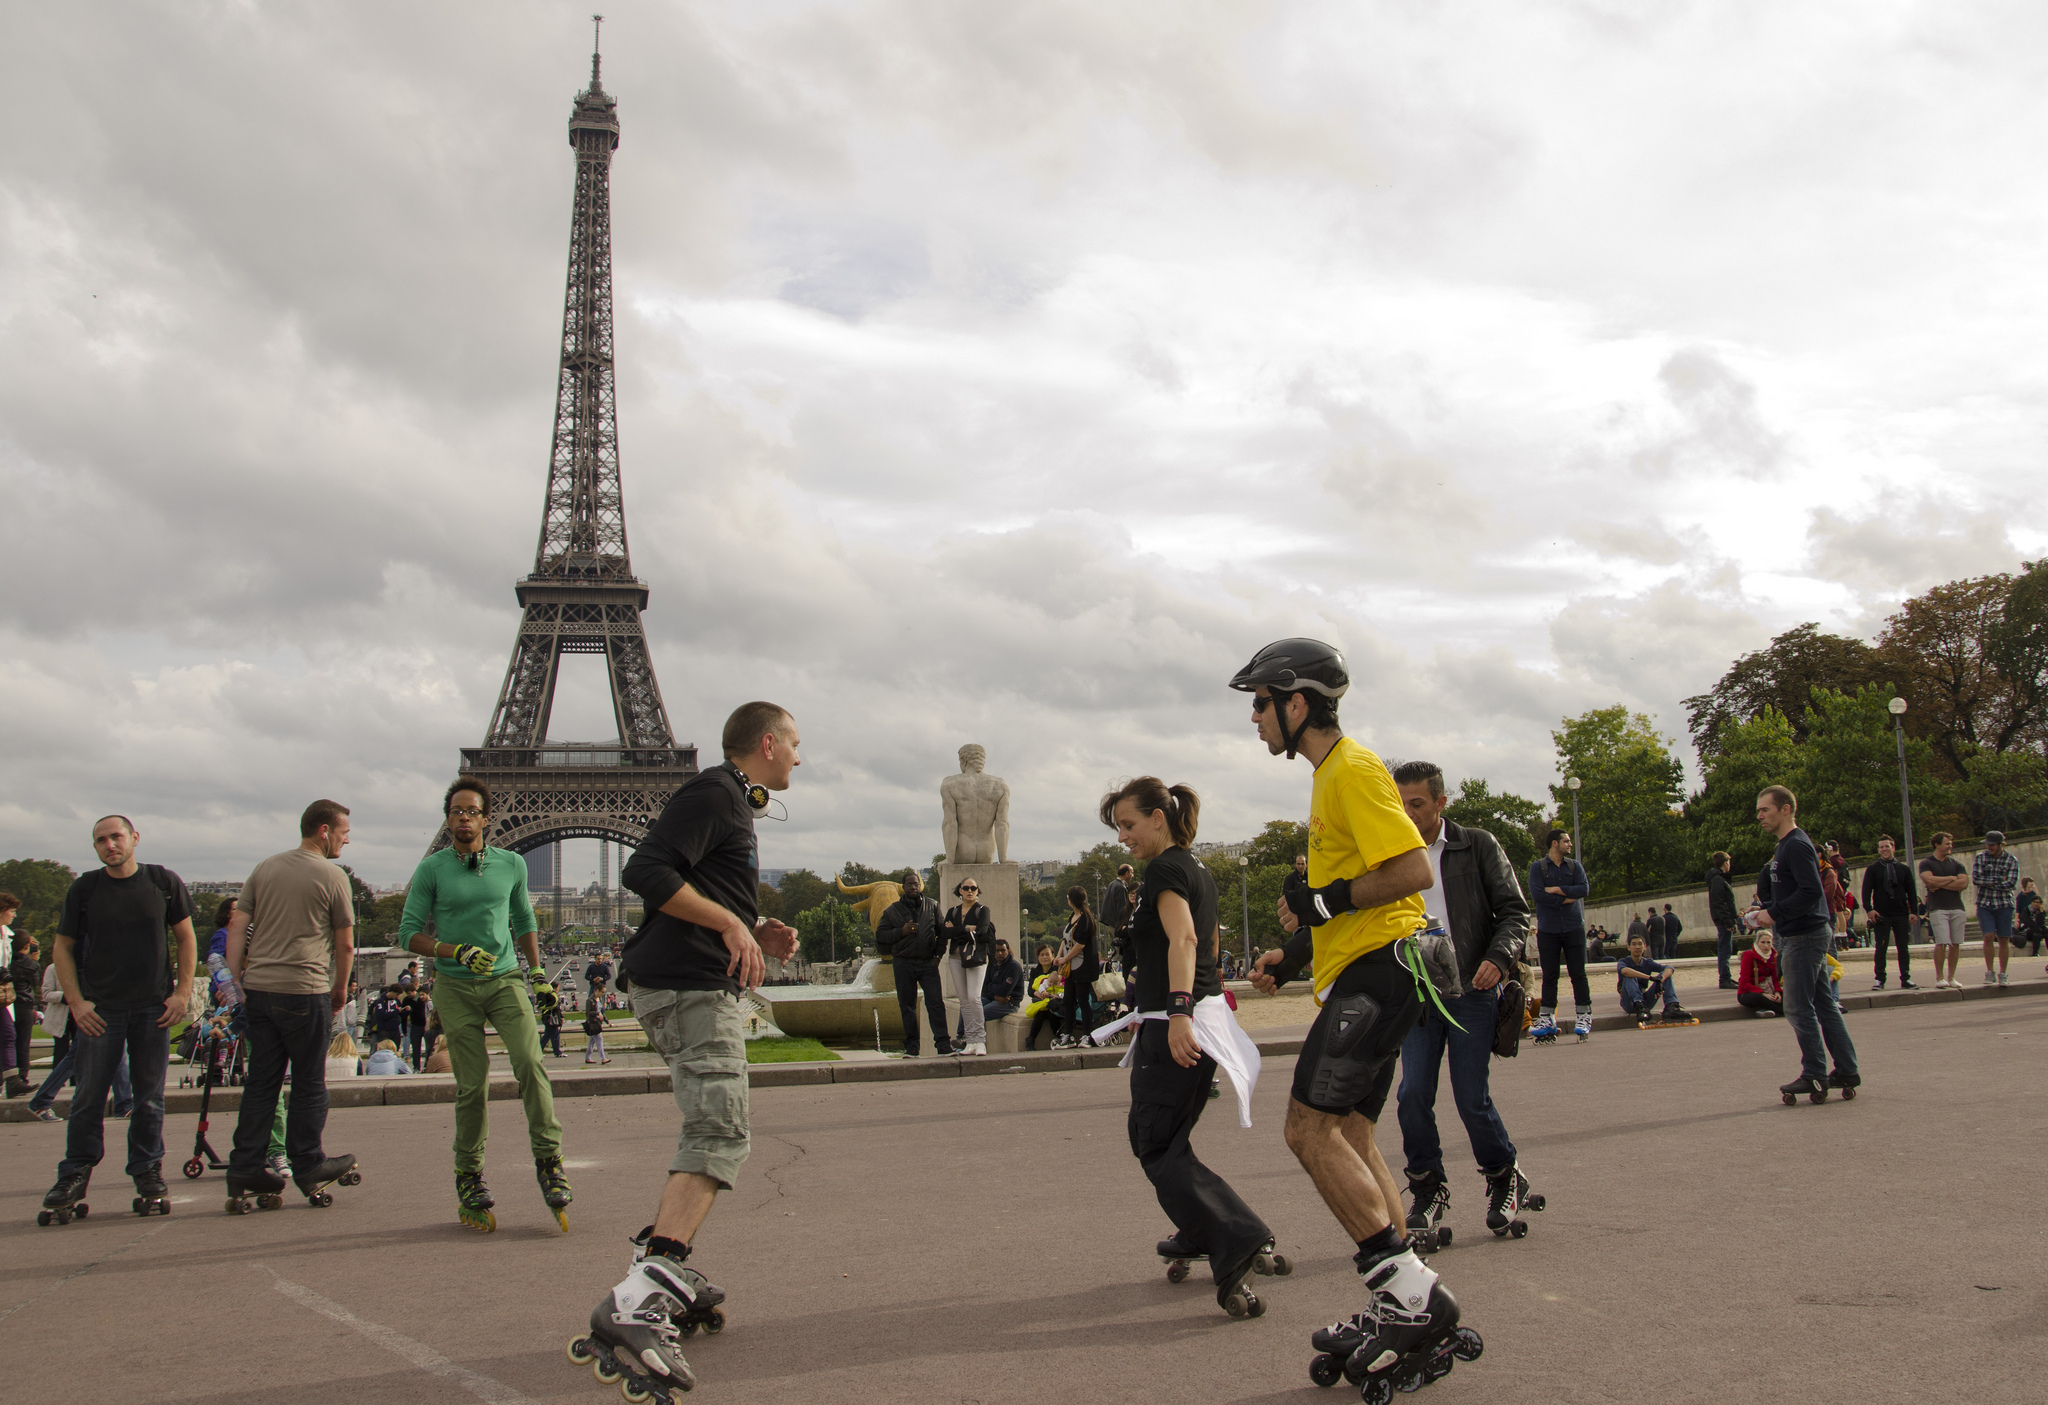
[(1046, 988), (1643, 980), (385, 1062), (1002, 990), (1759, 989)]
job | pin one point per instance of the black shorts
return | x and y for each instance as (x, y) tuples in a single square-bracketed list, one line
[(1358, 1077)]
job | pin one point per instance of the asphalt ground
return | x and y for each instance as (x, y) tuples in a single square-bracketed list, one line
[(990, 1240)]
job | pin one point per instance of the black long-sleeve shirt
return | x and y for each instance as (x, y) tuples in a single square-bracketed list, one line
[(705, 837), (1888, 889), (1798, 903)]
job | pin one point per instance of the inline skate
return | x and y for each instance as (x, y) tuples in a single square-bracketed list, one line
[(554, 1188), (1407, 1337), (704, 1310), (633, 1340), (474, 1202)]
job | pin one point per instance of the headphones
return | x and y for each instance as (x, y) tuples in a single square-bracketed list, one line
[(757, 795)]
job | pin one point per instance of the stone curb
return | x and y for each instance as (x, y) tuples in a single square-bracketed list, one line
[(418, 1089)]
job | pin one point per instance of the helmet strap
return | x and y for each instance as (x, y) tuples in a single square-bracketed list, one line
[(1292, 739)]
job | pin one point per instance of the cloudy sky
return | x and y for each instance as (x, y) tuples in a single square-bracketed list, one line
[(1003, 372)]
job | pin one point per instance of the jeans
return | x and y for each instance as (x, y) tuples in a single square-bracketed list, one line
[(1887, 929), (24, 1027), (1811, 1007), (1080, 1004), (1570, 947), (995, 1010), (911, 975), (1724, 950), (1166, 1102), (1670, 947), (966, 983), (60, 1074), (1471, 1051), (95, 1059), (1635, 993), (550, 1034), (1994, 922), (283, 1030), (416, 1035)]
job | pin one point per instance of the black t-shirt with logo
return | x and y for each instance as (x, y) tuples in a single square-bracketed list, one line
[(121, 931), (1175, 871)]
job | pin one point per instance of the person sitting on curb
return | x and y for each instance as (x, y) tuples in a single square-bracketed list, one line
[(1044, 1008), (1759, 990), (1642, 980), (385, 1061), (1003, 992)]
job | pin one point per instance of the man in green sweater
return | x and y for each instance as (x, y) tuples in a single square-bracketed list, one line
[(474, 898)]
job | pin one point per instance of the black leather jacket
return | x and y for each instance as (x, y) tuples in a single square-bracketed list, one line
[(925, 944), (1489, 915), (971, 933)]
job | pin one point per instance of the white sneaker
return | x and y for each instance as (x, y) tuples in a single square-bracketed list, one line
[(977, 1048), (1991, 978), (2005, 978)]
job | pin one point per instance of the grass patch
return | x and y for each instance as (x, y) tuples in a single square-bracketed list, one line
[(787, 1051)]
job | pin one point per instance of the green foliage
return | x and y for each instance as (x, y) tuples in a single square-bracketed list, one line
[(854, 874), (831, 931), (1780, 677), (377, 920), (784, 1051), (41, 885), (1747, 756), (1266, 882), (1633, 836), (1278, 843), (1848, 776), (801, 890), (1514, 821), (768, 901), (2001, 790), (359, 895)]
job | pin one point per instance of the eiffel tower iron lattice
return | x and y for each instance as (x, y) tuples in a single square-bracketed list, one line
[(582, 597)]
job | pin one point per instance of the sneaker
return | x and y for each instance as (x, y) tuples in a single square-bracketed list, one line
[(912, 1054), (1730, 985), (977, 1048), (1677, 1012), (44, 1114), (1906, 984), (2005, 978), (1877, 984), (1991, 978)]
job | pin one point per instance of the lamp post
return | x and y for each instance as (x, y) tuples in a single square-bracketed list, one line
[(1572, 783), (1244, 884), (1898, 711)]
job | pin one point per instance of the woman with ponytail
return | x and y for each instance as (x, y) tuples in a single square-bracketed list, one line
[(1185, 1031)]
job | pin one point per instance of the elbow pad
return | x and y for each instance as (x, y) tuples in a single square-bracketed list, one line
[(1315, 906)]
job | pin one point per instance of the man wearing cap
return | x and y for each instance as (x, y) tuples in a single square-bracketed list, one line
[(1995, 874)]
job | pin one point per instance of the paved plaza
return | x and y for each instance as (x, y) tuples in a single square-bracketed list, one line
[(989, 1240)]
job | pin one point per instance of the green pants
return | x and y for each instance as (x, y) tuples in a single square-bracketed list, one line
[(465, 1008)]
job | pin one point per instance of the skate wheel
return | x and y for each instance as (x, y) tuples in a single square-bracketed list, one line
[(45, 1218), (715, 1323), (605, 1371), (1377, 1391), (138, 1207), (1325, 1370), (1407, 1377), (687, 1328), (81, 1210), (1255, 1305), (64, 1217), (1518, 1229), (1534, 1202), (1281, 1266), (634, 1391), (1817, 1098), (270, 1202), (1176, 1273), (194, 1169), (562, 1219), (1848, 1095), (578, 1351), (1239, 1304), (1466, 1344), (1790, 1099), (320, 1201), (1443, 1237), (352, 1178)]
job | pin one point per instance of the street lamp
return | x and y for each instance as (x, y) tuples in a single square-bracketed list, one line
[(1898, 711), (1244, 883), (1572, 783)]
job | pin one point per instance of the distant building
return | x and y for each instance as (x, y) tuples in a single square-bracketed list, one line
[(1041, 872), (1228, 851), (540, 867), (773, 876), (227, 889)]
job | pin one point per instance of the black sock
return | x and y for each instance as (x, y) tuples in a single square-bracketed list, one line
[(1383, 1245), (671, 1248)]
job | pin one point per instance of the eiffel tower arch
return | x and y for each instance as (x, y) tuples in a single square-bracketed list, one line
[(582, 596)]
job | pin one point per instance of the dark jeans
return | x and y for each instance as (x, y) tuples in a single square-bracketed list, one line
[(1637, 995), (1166, 1102), (61, 1069), (993, 1010), (1751, 1000), (283, 1030), (416, 1035), (1724, 950), (1570, 947), (549, 1034), (1080, 1004), (1471, 1051), (1811, 1008), (94, 1060), (1897, 930), (24, 1026), (911, 974), (1670, 946), (1050, 1015)]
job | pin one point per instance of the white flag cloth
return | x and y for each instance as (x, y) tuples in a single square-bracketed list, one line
[(1216, 1030)]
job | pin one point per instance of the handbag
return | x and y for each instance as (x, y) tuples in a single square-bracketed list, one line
[(1108, 986), (1510, 1019)]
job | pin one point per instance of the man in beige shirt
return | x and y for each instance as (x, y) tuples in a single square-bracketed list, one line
[(290, 947)]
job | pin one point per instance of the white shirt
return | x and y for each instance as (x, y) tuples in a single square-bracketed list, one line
[(1433, 896)]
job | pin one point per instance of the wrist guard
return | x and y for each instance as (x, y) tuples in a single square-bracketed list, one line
[(476, 959), (1180, 1002), (1315, 906)]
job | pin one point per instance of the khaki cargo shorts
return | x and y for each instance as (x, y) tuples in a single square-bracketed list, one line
[(699, 1034)]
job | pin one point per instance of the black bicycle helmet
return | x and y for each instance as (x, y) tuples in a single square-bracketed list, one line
[(1295, 666)]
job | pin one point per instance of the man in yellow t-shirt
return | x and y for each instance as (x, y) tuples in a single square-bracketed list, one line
[(1366, 867)]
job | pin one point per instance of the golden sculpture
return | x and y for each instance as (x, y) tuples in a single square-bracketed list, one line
[(876, 898)]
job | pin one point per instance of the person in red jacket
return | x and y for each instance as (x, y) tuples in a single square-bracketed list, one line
[(1759, 990)]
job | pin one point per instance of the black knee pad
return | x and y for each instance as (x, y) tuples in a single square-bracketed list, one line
[(1353, 1048)]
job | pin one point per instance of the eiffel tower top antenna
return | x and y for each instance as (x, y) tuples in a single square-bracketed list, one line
[(596, 34)]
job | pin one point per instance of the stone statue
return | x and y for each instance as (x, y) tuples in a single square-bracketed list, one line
[(976, 812)]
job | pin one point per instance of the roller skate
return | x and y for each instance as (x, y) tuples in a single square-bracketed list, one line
[(1544, 1031), (1507, 1195), (704, 1311), (1179, 1253), (554, 1188), (633, 1340), (1583, 1025), (66, 1200), (151, 1194), (473, 1201), (1846, 1084), (1232, 1295), (1407, 1337), (1432, 1200), (262, 1190), (332, 1170), (1815, 1090)]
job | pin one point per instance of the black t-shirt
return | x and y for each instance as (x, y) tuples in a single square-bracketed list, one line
[(1087, 968), (1943, 899), (121, 927), (1175, 871), (705, 837)]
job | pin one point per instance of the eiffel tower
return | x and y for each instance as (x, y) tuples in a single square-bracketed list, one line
[(582, 597)]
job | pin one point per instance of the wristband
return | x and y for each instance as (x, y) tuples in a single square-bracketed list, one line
[(1180, 1003), (1319, 905)]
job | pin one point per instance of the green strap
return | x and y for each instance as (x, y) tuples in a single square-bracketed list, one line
[(1408, 952)]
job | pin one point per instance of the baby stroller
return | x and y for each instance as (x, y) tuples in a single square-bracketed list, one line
[(220, 1053)]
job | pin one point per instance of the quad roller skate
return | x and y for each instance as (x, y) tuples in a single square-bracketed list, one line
[(473, 1201), (554, 1188), (1431, 1194), (1407, 1337), (66, 1200), (633, 1338), (1815, 1090), (264, 1190), (1507, 1195), (1179, 1254), (1544, 1031), (1846, 1084), (334, 1170), (704, 1310), (1231, 1293), (152, 1196)]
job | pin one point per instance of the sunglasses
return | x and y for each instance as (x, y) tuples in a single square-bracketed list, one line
[(1260, 704), (970, 888)]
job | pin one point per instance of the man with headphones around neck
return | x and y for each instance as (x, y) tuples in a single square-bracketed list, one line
[(701, 945)]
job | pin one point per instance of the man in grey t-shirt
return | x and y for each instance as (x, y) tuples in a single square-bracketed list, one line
[(1944, 879)]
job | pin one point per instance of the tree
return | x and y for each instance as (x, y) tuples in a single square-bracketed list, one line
[(377, 921), (41, 885), (1781, 676), (1278, 843), (1848, 776), (1633, 835), (1093, 871), (2018, 643), (1515, 822), (2003, 789), (854, 874), (1747, 757), (803, 890), (830, 931), (1267, 881), (359, 894), (768, 901), (1942, 649)]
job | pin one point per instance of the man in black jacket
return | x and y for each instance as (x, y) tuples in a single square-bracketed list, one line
[(1002, 993), (909, 933), (1721, 907), (1890, 899), (1797, 910), (1672, 927), (1476, 899)]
